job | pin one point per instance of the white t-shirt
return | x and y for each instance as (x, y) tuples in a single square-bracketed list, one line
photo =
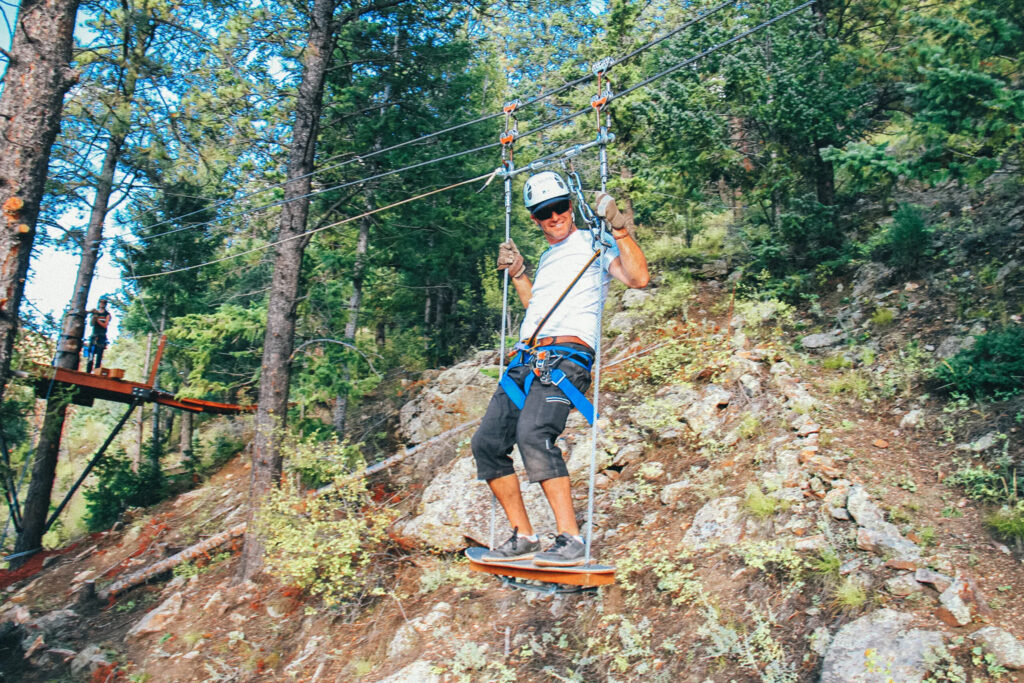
[(577, 314)]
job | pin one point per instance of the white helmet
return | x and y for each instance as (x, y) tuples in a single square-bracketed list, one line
[(543, 187)]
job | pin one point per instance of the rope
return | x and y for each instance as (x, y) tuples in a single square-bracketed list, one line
[(507, 153), (603, 155), (315, 230)]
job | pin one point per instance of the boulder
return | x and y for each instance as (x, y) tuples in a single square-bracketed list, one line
[(867, 514), (624, 322), (457, 395), (912, 420), (956, 603), (88, 660), (635, 298), (455, 505), (1007, 650), (158, 619), (903, 585), (721, 522), (703, 416), (882, 543), (813, 342), (59, 624), (672, 493), (939, 582), (878, 648), (870, 277)]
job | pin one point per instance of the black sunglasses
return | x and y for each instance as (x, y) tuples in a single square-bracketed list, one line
[(544, 212)]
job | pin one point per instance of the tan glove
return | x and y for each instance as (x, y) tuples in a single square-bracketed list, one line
[(510, 259), (607, 210)]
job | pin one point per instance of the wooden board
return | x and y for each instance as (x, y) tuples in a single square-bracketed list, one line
[(585, 575)]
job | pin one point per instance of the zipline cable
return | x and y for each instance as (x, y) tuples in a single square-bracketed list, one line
[(315, 230), (568, 117), (427, 136)]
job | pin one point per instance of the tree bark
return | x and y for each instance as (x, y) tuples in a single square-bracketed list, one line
[(185, 442), (36, 80), (278, 342)]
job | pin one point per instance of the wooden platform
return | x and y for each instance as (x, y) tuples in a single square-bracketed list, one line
[(86, 388), (588, 576)]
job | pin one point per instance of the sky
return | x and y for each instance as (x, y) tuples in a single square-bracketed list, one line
[(52, 272)]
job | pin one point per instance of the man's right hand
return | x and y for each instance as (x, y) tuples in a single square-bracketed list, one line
[(510, 259)]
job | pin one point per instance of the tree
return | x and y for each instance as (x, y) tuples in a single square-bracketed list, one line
[(37, 77), (278, 344)]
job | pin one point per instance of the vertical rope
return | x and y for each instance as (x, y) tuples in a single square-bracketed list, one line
[(603, 151), (507, 165)]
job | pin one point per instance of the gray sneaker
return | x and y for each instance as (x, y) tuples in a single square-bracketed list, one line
[(515, 548), (566, 552)]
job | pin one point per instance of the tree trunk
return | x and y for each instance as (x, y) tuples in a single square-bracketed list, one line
[(44, 466), (185, 443), (278, 342), (34, 85), (73, 327), (340, 415)]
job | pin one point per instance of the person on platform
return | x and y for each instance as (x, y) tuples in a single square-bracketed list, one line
[(99, 321), (563, 346)]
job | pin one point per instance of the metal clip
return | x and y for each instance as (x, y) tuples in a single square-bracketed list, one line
[(511, 106), (599, 101), (544, 363), (509, 136), (601, 66)]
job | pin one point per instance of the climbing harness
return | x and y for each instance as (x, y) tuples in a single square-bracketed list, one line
[(544, 369)]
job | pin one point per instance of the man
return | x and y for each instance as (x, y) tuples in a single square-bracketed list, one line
[(98, 339), (556, 345)]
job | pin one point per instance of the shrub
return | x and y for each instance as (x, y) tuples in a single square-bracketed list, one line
[(992, 368), (118, 487), (323, 543), (998, 485), (1008, 523), (906, 243)]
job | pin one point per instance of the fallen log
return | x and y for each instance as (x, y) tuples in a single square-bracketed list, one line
[(171, 562)]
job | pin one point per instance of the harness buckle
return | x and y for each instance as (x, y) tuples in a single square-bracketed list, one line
[(543, 364)]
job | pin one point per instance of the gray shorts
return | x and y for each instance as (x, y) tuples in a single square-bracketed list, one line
[(535, 428)]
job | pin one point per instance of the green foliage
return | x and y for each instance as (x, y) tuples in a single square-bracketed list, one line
[(826, 563), (850, 594), (762, 505), (118, 487), (992, 485), (773, 558), (992, 368), (906, 243), (882, 317), (456, 574), (1008, 523), (671, 299), (324, 544), (320, 462)]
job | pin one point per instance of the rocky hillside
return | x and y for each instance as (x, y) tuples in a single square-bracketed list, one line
[(773, 511)]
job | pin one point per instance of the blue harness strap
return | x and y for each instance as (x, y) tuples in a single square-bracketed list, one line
[(518, 395)]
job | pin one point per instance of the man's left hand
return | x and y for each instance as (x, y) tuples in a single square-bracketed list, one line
[(607, 209)]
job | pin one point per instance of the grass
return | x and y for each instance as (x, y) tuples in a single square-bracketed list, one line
[(850, 595), (852, 383), (1008, 523), (826, 563), (761, 505)]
